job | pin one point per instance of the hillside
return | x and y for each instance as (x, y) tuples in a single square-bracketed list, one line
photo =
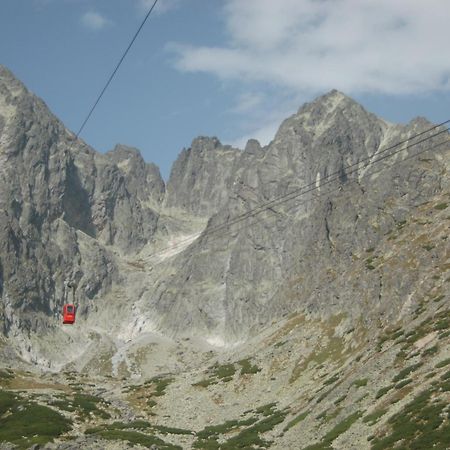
[(288, 296)]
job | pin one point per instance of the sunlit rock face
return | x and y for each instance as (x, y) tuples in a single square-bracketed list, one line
[(199, 257)]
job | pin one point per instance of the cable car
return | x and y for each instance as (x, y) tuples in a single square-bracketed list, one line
[(69, 313)]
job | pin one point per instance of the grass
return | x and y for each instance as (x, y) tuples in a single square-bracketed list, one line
[(406, 371), (388, 336), (331, 380), (205, 382), (87, 405), (171, 430), (24, 423), (129, 429), (373, 418), (225, 372), (421, 424), (383, 391), (431, 351), (135, 437), (161, 385), (266, 410), (215, 430), (296, 420), (403, 383), (334, 349), (247, 367), (340, 399), (6, 375), (360, 383), (138, 432), (249, 431), (442, 363), (335, 432), (250, 437)]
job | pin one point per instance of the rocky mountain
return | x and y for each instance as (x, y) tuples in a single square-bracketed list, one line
[(293, 295)]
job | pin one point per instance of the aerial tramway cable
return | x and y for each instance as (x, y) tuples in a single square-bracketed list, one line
[(301, 191), (116, 69), (69, 309), (333, 177)]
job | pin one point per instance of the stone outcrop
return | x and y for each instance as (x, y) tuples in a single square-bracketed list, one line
[(61, 203), (241, 275), (69, 213), (201, 177)]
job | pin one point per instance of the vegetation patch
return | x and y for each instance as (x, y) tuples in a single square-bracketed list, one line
[(247, 367), (383, 391), (442, 363), (205, 383), (403, 383), (296, 420), (137, 432), (135, 437), (159, 385), (335, 432), (171, 430), (373, 418), (389, 335), (334, 349), (431, 351), (248, 431), (331, 380), (222, 373), (6, 375), (360, 383), (421, 424), (24, 423), (324, 395), (406, 371), (87, 405), (340, 399)]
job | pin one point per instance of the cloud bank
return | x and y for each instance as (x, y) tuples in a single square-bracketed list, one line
[(296, 49), (313, 45)]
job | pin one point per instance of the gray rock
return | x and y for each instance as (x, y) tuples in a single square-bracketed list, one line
[(201, 177), (72, 214)]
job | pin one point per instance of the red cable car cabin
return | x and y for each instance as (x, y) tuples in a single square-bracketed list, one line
[(69, 313)]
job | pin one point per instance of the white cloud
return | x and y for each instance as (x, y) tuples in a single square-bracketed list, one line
[(310, 46), (300, 48), (94, 21), (248, 101)]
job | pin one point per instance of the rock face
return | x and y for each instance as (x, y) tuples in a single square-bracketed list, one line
[(295, 254), (202, 177), (69, 213), (61, 203)]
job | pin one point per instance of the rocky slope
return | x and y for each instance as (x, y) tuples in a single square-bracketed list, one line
[(207, 321)]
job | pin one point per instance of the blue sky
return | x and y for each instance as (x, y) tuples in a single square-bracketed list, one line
[(229, 68)]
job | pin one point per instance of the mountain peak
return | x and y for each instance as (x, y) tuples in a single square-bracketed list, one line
[(122, 152), (205, 143), (9, 80), (330, 101)]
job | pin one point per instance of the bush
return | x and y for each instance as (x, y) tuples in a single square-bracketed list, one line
[(29, 423)]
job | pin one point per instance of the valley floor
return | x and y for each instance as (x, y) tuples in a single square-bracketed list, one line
[(303, 384)]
